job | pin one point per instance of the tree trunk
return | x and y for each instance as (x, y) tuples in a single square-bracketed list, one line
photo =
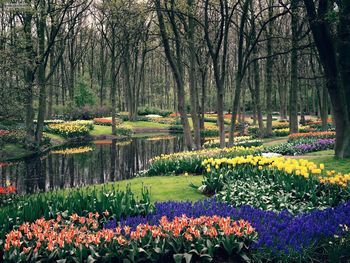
[(293, 95), (269, 65)]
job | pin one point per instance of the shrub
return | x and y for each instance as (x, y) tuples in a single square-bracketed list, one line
[(83, 113)]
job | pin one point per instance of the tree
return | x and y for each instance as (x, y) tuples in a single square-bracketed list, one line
[(175, 59), (334, 52)]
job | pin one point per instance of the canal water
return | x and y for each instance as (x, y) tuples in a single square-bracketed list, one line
[(80, 165)]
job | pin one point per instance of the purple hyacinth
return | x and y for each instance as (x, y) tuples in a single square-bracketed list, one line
[(280, 233)]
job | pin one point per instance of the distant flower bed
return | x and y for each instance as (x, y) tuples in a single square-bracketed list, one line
[(302, 145), (165, 120), (46, 122), (76, 150), (177, 163), (12, 136), (311, 135), (159, 138), (124, 130), (69, 130), (106, 121), (245, 141)]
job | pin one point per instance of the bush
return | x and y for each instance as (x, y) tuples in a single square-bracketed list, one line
[(82, 113)]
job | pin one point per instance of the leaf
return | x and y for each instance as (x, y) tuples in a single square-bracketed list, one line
[(188, 257), (90, 259), (178, 258)]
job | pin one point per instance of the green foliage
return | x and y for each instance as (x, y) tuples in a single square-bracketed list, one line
[(83, 94)]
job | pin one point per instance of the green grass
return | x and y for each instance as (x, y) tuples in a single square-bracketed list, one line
[(101, 130), (274, 141), (163, 188), (332, 163), (320, 153)]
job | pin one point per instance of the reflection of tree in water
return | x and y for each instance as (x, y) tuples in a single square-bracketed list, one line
[(109, 162)]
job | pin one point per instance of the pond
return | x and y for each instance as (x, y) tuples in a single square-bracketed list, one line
[(80, 165)]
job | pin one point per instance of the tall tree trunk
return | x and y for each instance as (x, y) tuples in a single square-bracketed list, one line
[(269, 65), (177, 69), (41, 75), (29, 81), (192, 75), (293, 95), (240, 70), (336, 65)]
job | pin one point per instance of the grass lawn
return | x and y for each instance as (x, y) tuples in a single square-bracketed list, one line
[(163, 188), (330, 162), (100, 130), (274, 141)]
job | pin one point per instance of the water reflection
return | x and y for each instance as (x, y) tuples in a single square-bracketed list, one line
[(73, 167)]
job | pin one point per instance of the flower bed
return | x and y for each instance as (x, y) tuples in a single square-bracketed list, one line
[(274, 183), (70, 239), (165, 120), (302, 146), (7, 194), (69, 130), (282, 236), (12, 136), (245, 141), (177, 163), (124, 130), (311, 135), (106, 121), (80, 201)]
